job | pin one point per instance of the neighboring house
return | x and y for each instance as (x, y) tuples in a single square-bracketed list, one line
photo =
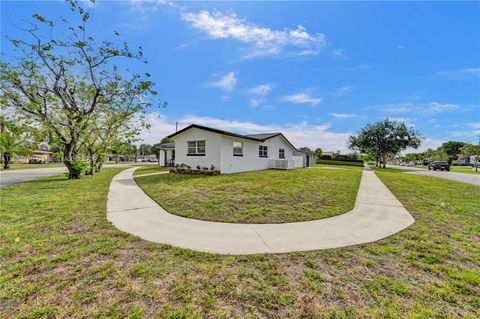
[(228, 152), (328, 154), (37, 156), (143, 158)]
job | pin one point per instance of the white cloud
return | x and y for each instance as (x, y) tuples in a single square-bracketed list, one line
[(256, 102), (226, 82), (474, 125), (407, 121), (363, 67), (342, 115), (401, 46), (425, 108), (343, 90), (337, 53), (426, 144), (302, 98), (262, 41), (145, 6), (161, 126), (459, 74), (300, 134), (262, 89)]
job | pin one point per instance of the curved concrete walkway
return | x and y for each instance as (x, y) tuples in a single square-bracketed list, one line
[(377, 214)]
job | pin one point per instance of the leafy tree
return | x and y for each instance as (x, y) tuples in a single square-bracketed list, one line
[(318, 152), (66, 83), (166, 140), (156, 150), (145, 149), (120, 127), (435, 155), (452, 149), (11, 146), (472, 151), (383, 139), (307, 149)]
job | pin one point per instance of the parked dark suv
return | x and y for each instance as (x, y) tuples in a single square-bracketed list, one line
[(439, 165)]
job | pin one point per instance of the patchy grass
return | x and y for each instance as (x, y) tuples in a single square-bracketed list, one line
[(464, 169), (269, 196), (150, 169), (17, 166), (60, 258)]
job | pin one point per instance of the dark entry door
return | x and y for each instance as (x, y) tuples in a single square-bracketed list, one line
[(308, 161)]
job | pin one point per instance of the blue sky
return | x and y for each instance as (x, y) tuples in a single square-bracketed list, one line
[(316, 71)]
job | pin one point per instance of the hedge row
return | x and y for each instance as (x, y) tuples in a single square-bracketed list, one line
[(341, 162)]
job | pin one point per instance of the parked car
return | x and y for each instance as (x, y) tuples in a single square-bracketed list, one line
[(38, 159), (441, 165)]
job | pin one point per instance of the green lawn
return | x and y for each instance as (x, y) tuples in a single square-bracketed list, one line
[(270, 196), (150, 169), (464, 169), (17, 166), (60, 258)]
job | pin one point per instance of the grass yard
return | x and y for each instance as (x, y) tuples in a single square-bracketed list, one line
[(464, 169), (17, 166), (59, 257), (270, 196), (150, 169)]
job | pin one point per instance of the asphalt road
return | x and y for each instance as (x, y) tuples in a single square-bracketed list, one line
[(25, 175), (453, 176)]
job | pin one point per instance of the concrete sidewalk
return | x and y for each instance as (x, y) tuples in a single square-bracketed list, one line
[(377, 214)]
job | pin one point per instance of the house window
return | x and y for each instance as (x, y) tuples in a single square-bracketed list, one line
[(262, 151), (196, 148), (237, 149), (281, 153)]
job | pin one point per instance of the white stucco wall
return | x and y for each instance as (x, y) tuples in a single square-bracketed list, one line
[(212, 148), (219, 151), (298, 160), (162, 156), (250, 161)]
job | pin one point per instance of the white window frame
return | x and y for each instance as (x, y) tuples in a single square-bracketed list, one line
[(237, 147), (197, 149), (281, 153), (262, 151)]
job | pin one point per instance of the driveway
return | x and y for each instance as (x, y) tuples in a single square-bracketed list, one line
[(453, 176), (377, 214), (25, 175)]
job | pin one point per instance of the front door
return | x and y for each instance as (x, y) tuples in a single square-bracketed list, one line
[(308, 161)]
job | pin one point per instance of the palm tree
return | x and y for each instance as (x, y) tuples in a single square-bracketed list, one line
[(10, 146)]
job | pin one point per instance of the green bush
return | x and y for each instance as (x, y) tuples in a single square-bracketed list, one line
[(341, 162)]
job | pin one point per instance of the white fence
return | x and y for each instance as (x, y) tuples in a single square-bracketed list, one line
[(282, 164)]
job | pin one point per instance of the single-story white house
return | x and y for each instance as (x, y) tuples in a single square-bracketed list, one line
[(228, 152)]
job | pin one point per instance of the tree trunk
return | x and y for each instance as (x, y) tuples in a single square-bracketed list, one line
[(6, 160), (384, 161), (69, 159), (91, 167)]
